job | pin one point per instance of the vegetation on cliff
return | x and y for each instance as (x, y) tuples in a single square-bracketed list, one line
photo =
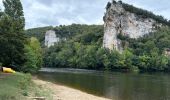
[(140, 12), (149, 51)]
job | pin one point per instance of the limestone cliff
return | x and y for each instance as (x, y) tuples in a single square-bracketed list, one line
[(51, 38), (119, 21)]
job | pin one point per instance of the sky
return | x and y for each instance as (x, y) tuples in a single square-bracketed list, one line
[(39, 13)]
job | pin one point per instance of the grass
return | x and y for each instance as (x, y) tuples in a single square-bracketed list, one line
[(20, 87)]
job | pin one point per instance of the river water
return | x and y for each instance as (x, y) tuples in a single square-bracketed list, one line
[(113, 85)]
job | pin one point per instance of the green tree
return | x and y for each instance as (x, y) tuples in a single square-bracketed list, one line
[(100, 57), (33, 55), (1, 13), (12, 37), (142, 62), (11, 51), (14, 9)]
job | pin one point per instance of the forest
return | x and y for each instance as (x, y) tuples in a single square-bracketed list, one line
[(83, 49)]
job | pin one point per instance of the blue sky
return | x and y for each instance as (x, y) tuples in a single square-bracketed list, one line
[(39, 13)]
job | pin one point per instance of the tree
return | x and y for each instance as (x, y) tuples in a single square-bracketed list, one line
[(33, 55), (14, 9), (12, 37), (1, 13), (6, 42), (11, 51)]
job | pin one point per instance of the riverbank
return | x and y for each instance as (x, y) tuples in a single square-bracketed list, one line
[(20, 86), (60, 92), (23, 87)]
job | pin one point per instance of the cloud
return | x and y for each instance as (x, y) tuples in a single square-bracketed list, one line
[(40, 13)]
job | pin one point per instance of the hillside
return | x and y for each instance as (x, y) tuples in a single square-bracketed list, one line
[(144, 40), (39, 33), (75, 31)]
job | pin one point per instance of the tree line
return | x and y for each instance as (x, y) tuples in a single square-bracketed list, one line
[(84, 50)]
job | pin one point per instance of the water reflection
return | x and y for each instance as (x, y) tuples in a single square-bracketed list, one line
[(117, 86)]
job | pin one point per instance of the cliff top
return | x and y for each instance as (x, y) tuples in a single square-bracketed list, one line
[(138, 11)]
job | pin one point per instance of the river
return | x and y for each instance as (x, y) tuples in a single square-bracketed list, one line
[(113, 85)]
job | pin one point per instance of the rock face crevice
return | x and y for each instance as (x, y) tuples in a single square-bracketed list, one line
[(119, 21)]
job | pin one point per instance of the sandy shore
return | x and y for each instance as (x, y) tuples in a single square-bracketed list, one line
[(66, 93)]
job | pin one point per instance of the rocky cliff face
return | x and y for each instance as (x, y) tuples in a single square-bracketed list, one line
[(51, 38), (119, 21)]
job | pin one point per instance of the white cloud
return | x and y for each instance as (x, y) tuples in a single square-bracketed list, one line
[(56, 12)]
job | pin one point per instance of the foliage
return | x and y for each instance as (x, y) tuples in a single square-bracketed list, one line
[(150, 50), (33, 53), (12, 37), (67, 32), (14, 9), (39, 33), (145, 14), (144, 54), (11, 44), (1, 13), (15, 51), (82, 43)]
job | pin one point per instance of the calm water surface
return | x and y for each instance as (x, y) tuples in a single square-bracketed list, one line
[(117, 86)]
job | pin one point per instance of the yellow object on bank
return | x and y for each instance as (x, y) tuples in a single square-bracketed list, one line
[(8, 70)]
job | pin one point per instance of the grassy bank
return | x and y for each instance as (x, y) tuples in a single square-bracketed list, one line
[(20, 87)]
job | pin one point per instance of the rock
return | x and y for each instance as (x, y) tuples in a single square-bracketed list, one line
[(51, 38), (119, 21)]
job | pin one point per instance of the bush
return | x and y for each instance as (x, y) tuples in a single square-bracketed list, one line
[(33, 56)]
